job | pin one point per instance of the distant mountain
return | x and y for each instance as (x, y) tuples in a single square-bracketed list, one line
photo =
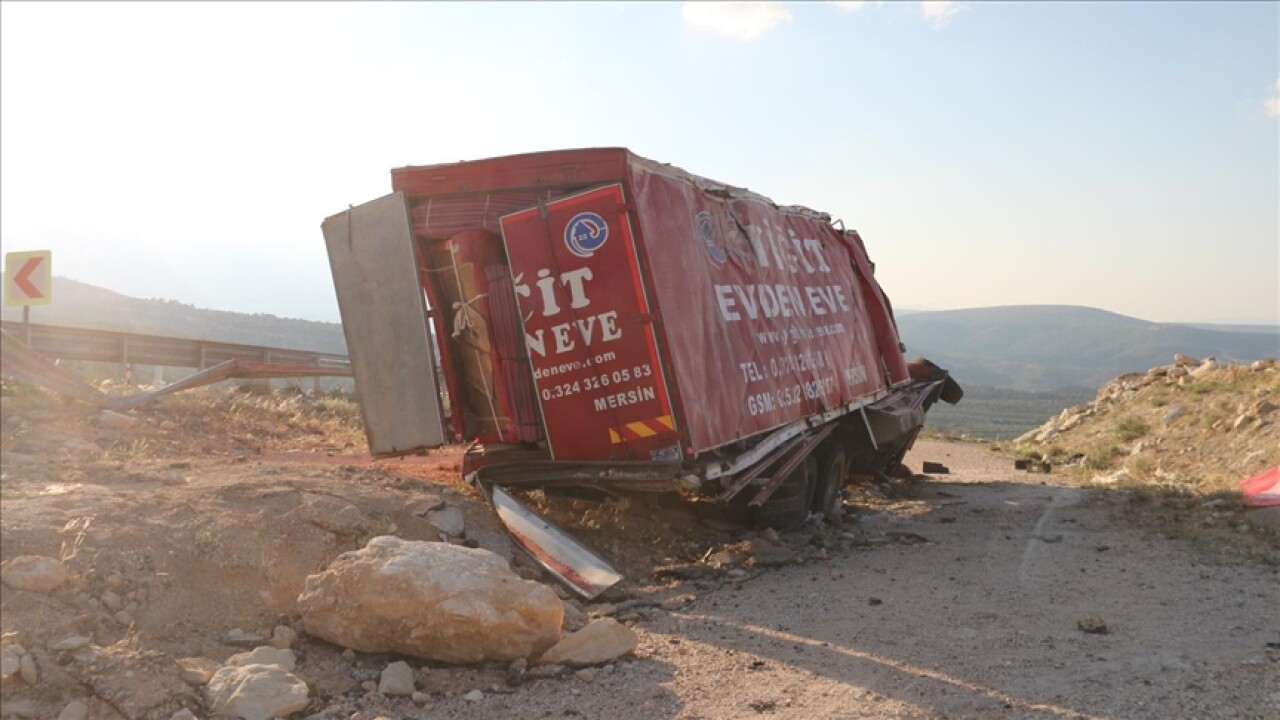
[(80, 304), (1059, 347), (1230, 327)]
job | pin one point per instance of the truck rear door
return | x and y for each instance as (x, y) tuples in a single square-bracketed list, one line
[(589, 330), (384, 318)]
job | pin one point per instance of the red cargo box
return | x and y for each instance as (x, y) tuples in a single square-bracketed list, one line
[(663, 315)]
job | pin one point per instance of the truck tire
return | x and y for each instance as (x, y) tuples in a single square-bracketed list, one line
[(788, 507), (833, 473)]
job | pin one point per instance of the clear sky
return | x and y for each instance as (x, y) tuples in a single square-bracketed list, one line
[(1122, 156)]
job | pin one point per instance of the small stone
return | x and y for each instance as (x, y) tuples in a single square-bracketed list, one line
[(131, 607), (239, 638), (183, 714), (770, 534), (10, 663), (115, 580), (115, 420), (75, 710), (1093, 625), (574, 619), (448, 520), (283, 637), (27, 668), (34, 573), (348, 654), (874, 601), (24, 709), (420, 698), (1183, 360), (599, 642), (197, 671), (607, 669), (518, 666), (585, 675), (124, 618), (1173, 414), (397, 680), (71, 642), (369, 686), (473, 696), (112, 601)]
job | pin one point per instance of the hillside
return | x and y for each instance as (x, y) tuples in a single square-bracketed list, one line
[(83, 305), (1050, 347), (1192, 425)]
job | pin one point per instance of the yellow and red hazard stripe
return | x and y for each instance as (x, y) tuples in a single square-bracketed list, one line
[(642, 429)]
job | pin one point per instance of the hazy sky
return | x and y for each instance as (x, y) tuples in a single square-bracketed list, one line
[(1123, 156)]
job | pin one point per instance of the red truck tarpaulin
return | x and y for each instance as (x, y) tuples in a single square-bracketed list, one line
[(1263, 489)]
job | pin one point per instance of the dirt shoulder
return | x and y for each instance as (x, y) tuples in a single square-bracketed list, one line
[(956, 596)]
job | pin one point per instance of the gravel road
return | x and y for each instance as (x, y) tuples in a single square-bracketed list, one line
[(978, 617)]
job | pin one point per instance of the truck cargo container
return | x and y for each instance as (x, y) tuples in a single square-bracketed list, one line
[(592, 317)]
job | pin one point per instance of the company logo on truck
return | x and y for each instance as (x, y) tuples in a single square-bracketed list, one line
[(585, 234), (707, 231)]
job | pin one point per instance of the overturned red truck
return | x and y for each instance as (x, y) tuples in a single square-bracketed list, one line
[(597, 318)]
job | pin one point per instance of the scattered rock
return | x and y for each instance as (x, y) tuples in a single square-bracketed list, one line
[(75, 710), (1174, 413), (396, 680), (115, 420), (10, 663), (34, 573), (473, 696), (283, 637), (448, 520), (426, 505), (574, 619), (27, 669), (255, 692), (348, 654), (197, 671), (769, 553), (69, 643), (1049, 538), (874, 601), (239, 638), (430, 600), (23, 708), (420, 698), (1183, 361), (124, 618), (585, 675), (112, 601), (1093, 625), (265, 655), (1242, 421), (597, 643), (183, 714), (115, 580), (369, 686)]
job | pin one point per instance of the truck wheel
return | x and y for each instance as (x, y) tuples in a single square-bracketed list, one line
[(788, 507), (833, 473)]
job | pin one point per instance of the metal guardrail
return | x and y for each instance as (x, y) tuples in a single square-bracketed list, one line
[(69, 343)]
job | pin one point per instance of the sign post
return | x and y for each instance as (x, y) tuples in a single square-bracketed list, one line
[(28, 280)]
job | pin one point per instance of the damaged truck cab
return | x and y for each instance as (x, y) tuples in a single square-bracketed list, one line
[(591, 317)]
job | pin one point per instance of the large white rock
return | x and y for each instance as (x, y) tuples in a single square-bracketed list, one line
[(255, 692), (34, 573), (597, 643), (430, 600)]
